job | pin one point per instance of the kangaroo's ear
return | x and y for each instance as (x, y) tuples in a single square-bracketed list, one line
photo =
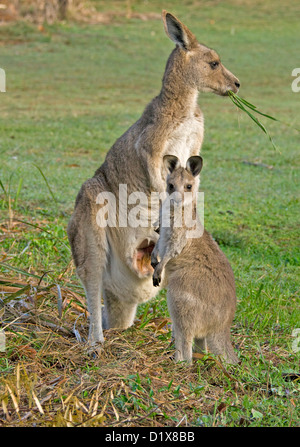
[(171, 162), (194, 165), (178, 32)]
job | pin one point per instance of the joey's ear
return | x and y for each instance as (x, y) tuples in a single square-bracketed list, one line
[(194, 165), (171, 162), (178, 32)]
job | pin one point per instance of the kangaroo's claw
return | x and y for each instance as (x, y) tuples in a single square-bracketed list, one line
[(156, 281)]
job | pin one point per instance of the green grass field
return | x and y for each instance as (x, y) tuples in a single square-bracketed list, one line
[(72, 90)]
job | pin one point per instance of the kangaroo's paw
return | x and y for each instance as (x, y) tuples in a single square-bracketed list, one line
[(156, 279)]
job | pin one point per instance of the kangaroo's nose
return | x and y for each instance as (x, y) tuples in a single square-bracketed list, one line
[(237, 84)]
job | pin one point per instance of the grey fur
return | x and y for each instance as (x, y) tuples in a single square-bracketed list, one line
[(199, 279), (114, 262)]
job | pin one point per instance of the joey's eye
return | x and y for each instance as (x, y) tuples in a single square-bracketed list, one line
[(189, 187), (214, 64)]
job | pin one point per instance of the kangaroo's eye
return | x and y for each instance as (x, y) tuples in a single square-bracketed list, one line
[(214, 64), (189, 187)]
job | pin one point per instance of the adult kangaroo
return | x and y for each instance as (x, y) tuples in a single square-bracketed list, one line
[(114, 261)]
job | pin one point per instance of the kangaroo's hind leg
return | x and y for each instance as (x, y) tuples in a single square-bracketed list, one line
[(90, 251), (90, 272), (117, 313)]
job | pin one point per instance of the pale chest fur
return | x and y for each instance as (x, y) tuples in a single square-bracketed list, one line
[(186, 139)]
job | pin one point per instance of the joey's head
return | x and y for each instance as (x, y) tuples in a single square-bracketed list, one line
[(199, 66), (182, 180)]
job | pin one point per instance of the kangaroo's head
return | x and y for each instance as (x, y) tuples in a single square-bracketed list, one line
[(182, 180), (199, 65)]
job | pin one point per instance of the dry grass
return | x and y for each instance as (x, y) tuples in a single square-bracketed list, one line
[(49, 377), (53, 379)]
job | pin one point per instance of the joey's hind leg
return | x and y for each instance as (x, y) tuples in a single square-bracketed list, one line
[(117, 313), (181, 330), (184, 349), (183, 345), (220, 344)]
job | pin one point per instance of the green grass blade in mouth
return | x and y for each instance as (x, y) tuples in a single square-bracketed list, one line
[(238, 104), (254, 108), (242, 104), (238, 101)]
